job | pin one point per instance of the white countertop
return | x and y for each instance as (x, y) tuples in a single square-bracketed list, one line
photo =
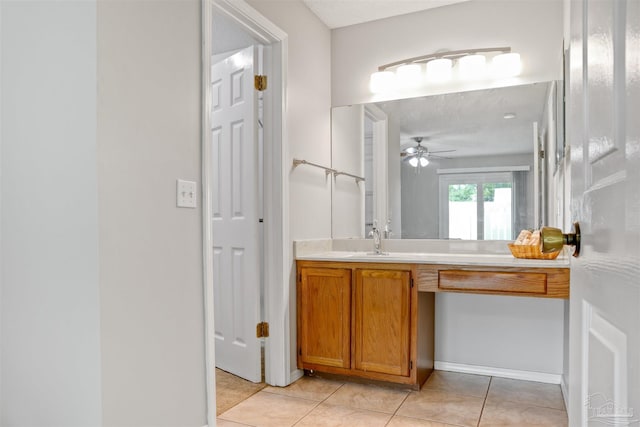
[(479, 259)]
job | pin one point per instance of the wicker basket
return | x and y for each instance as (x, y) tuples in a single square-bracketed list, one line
[(530, 252)]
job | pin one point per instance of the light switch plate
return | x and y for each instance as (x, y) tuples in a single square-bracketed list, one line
[(186, 194)]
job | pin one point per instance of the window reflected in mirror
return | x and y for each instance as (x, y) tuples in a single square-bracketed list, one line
[(478, 206)]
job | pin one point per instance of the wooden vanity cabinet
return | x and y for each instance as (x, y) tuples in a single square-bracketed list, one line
[(324, 332), (361, 319), (382, 321), (376, 320)]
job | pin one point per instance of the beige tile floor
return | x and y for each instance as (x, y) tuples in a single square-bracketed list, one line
[(231, 390), (447, 399)]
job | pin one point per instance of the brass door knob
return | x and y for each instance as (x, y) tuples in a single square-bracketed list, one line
[(552, 239)]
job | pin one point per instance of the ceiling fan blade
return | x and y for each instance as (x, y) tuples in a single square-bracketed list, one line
[(410, 150), (408, 155), (441, 151), (433, 156)]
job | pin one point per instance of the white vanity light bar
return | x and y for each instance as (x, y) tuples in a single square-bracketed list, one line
[(452, 54), (472, 66)]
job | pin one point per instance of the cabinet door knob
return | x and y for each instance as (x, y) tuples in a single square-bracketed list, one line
[(553, 239)]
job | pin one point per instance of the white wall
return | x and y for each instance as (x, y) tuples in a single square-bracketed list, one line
[(347, 155), (151, 292), (308, 113), (102, 310), (505, 332), (531, 27), (50, 295), (308, 126)]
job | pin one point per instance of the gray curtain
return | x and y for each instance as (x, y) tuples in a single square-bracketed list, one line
[(523, 217)]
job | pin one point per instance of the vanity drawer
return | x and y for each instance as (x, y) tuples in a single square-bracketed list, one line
[(492, 281), (535, 282)]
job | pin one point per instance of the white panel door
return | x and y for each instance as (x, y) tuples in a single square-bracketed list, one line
[(235, 211), (604, 137)]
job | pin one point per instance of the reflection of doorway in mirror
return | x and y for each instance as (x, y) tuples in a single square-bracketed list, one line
[(368, 175)]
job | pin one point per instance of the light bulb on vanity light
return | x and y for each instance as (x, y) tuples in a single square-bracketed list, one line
[(439, 70), (409, 76), (472, 66), (506, 65), (382, 82)]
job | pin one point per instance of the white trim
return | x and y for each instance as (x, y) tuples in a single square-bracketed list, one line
[(536, 176), (564, 388), (380, 164), (1, 257), (207, 241), (541, 377), (296, 375), (484, 169), (250, 19), (278, 259)]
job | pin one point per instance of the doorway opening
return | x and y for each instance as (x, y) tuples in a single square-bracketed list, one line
[(237, 198), (254, 198)]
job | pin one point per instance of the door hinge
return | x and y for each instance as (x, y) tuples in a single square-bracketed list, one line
[(411, 282), (262, 330), (410, 364), (542, 154), (299, 277), (260, 82)]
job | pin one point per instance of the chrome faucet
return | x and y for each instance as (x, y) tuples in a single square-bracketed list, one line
[(375, 233), (387, 230)]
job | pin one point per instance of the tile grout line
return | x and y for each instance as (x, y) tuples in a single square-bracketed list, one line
[(398, 408), (484, 402), (318, 404), (334, 392), (305, 415)]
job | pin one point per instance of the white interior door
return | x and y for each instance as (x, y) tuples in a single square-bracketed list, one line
[(236, 215), (604, 137)]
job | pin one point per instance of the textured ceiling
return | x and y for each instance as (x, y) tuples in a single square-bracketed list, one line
[(341, 13), (472, 123)]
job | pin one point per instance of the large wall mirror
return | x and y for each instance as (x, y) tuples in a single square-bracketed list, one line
[(469, 165)]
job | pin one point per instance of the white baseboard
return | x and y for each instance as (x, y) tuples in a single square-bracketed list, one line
[(296, 375), (565, 392), (540, 377)]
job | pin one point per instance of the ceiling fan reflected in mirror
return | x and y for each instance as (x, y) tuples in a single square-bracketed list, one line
[(419, 155)]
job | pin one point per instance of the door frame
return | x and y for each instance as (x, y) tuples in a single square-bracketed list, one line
[(380, 164), (276, 252)]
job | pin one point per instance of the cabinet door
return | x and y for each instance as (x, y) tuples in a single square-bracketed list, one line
[(382, 321), (324, 317)]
